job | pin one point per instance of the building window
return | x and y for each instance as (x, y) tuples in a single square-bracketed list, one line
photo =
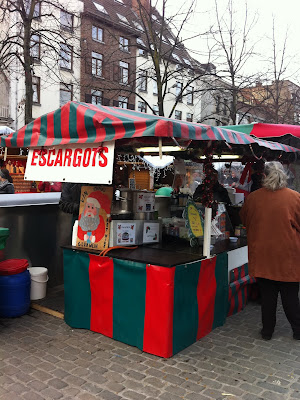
[(142, 107), (178, 114), (100, 7), (97, 63), (66, 21), (97, 97), (189, 117), (123, 101), (123, 19), (138, 26), (97, 34), (140, 42), (142, 82), (65, 93), (155, 89), (36, 87), (124, 72), (190, 95), (143, 53), (123, 44), (66, 56), (35, 47), (179, 86), (155, 109)]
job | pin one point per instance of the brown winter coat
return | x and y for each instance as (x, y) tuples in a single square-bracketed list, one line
[(272, 220)]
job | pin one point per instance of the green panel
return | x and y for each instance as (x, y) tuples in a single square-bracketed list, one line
[(4, 233), (222, 291), (77, 289), (129, 302), (89, 124), (246, 128), (43, 130), (185, 321), (73, 123), (57, 127)]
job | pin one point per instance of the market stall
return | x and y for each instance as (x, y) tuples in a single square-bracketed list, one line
[(163, 295)]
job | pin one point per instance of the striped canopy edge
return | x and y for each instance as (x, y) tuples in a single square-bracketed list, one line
[(78, 123)]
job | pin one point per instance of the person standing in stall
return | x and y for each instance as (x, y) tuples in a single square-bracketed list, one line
[(272, 219), (6, 182)]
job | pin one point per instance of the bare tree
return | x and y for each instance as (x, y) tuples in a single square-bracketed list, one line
[(233, 48), (278, 96), (28, 25)]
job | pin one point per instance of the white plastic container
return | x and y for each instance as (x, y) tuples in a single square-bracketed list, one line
[(74, 233), (39, 279)]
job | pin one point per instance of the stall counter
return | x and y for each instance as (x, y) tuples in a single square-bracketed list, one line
[(156, 299)]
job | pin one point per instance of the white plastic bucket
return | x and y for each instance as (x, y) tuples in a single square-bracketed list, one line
[(39, 279)]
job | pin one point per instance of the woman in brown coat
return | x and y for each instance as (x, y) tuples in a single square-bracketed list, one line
[(272, 219)]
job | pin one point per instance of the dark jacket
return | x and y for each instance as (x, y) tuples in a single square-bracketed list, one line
[(70, 198), (7, 188), (219, 192)]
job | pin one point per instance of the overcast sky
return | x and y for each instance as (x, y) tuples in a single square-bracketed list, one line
[(285, 12)]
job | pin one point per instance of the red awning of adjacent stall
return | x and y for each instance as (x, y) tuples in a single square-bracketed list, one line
[(262, 130), (79, 123)]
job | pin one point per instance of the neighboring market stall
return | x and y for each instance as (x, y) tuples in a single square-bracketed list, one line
[(163, 295)]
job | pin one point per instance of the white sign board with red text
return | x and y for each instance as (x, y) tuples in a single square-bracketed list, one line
[(80, 163)]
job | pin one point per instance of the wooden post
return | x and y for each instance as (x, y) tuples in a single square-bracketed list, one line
[(207, 232), (160, 147)]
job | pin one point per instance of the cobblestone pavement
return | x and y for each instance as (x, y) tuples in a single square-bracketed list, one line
[(43, 358)]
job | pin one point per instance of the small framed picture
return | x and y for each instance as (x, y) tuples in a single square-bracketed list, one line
[(131, 183)]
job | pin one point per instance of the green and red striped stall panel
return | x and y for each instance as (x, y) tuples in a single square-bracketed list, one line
[(240, 287), (160, 310)]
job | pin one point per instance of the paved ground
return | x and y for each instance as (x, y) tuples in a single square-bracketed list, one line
[(43, 358)]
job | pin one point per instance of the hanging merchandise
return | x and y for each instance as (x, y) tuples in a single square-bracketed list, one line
[(207, 198)]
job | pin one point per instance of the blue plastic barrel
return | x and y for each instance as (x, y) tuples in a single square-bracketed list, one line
[(14, 294)]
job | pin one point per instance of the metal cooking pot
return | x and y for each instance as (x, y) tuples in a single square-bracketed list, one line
[(122, 202)]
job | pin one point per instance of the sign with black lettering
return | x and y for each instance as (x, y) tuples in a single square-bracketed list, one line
[(81, 163)]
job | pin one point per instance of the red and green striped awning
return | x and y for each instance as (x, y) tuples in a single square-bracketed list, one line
[(77, 122)]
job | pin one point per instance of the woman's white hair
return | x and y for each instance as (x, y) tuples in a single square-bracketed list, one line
[(275, 176)]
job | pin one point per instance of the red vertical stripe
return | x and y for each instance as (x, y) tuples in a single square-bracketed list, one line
[(80, 127), (50, 129), (36, 131), (140, 127), (20, 137), (185, 133), (158, 325), (64, 117), (101, 274), (206, 293), (163, 128), (231, 302), (240, 289)]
